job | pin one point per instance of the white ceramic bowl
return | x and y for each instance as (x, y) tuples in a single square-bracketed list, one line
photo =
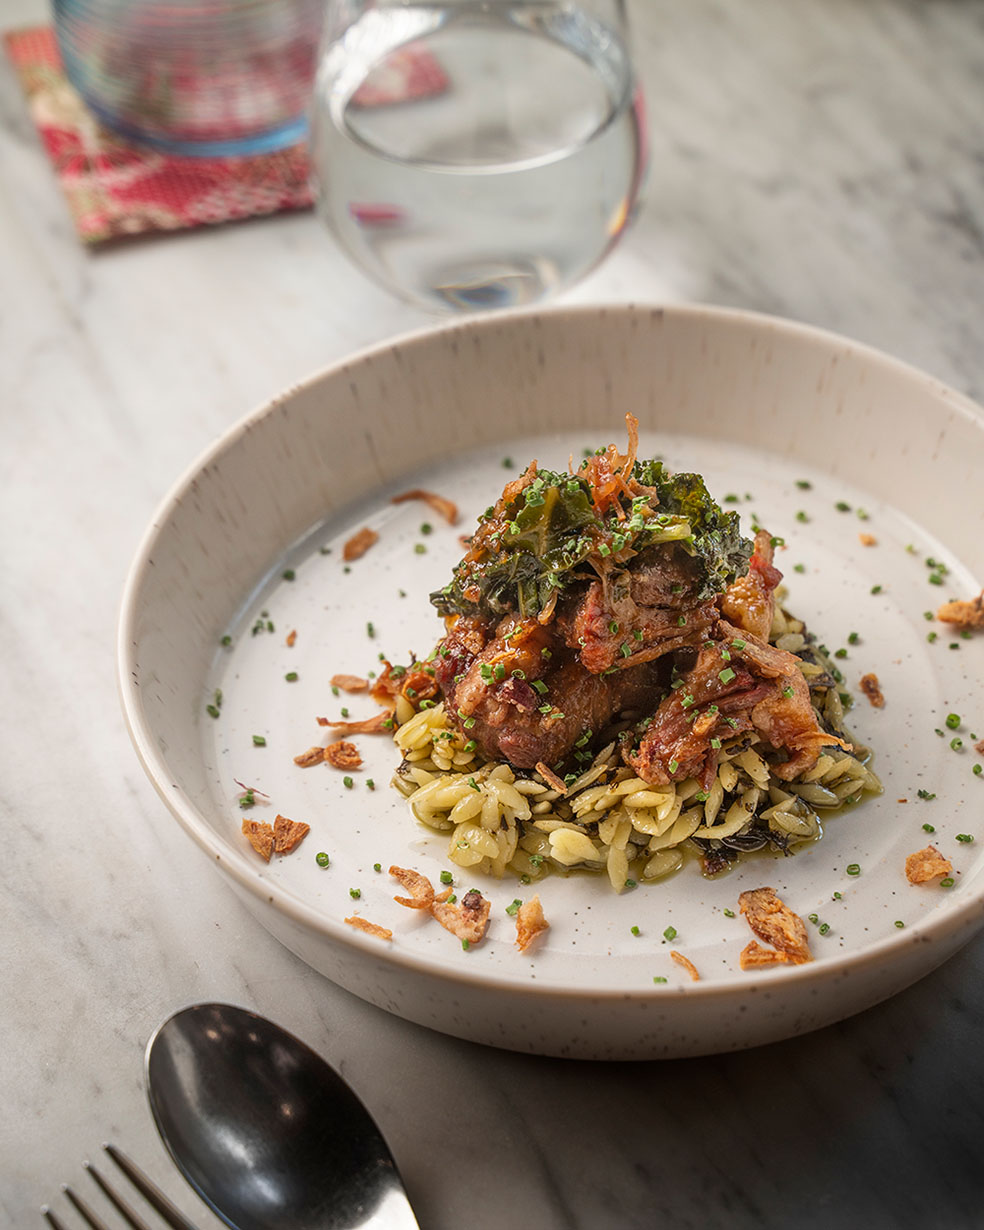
[(760, 406)]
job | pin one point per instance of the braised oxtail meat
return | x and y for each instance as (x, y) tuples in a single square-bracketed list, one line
[(739, 683), (575, 586), (749, 601), (638, 613)]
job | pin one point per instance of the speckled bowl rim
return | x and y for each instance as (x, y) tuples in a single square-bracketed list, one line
[(960, 916)]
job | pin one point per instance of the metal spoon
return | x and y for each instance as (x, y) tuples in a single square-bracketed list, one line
[(265, 1131)]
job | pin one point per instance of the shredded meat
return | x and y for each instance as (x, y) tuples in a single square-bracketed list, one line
[(359, 544), (738, 683), (636, 615), (872, 689), (511, 721), (775, 923), (749, 601), (926, 865), (965, 614)]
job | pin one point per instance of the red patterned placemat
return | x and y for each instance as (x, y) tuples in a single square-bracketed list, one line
[(115, 188)]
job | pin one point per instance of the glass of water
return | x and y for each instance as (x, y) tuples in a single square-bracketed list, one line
[(474, 154)]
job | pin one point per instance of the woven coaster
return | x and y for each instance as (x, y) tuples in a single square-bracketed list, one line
[(115, 188)]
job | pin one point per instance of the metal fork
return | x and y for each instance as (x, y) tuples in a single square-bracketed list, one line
[(149, 1190)]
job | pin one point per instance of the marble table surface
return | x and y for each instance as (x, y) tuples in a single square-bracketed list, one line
[(821, 160)]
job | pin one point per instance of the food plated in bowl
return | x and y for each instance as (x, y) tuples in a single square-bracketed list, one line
[(616, 685), (790, 427)]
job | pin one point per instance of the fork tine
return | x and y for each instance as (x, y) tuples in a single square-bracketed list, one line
[(84, 1209), (149, 1190), (51, 1219), (129, 1215)]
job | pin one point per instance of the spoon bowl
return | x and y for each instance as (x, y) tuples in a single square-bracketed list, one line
[(264, 1130)]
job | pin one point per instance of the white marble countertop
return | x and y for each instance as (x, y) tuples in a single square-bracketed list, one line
[(822, 160)]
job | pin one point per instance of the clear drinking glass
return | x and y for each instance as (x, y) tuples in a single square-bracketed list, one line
[(473, 154), (205, 77)]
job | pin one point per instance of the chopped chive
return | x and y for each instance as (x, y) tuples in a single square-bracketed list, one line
[(658, 978), (947, 882), (956, 744), (370, 784), (355, 893), (426, 528), (226, 640), (635, 931), (377, 866), (876, 589), (953, 721), (842, 506), (964, 837), (823, 928), (291, 676), (726, 675), (259, 741), (853, 869), (322, 859), (513, 908), (728, 913), (670, 933), (289, 574), (419, 548), (212, 711)]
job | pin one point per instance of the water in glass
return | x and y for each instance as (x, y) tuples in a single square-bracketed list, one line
[(506, 166)]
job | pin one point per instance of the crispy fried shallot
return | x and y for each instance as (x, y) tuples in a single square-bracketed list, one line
[(926, 865), (867, 540), (370, 928), (420, 888), (342, 755), (288, 834), (551, 778), (291, 638), (775, 923), (259, 834), (444, 508), (359, 544), (754, 955), (349, 683), (687, 964), (530, 922), (380, 724), (468, 919), (870, 686), (965, 614), (278, 838), (313, 756)]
